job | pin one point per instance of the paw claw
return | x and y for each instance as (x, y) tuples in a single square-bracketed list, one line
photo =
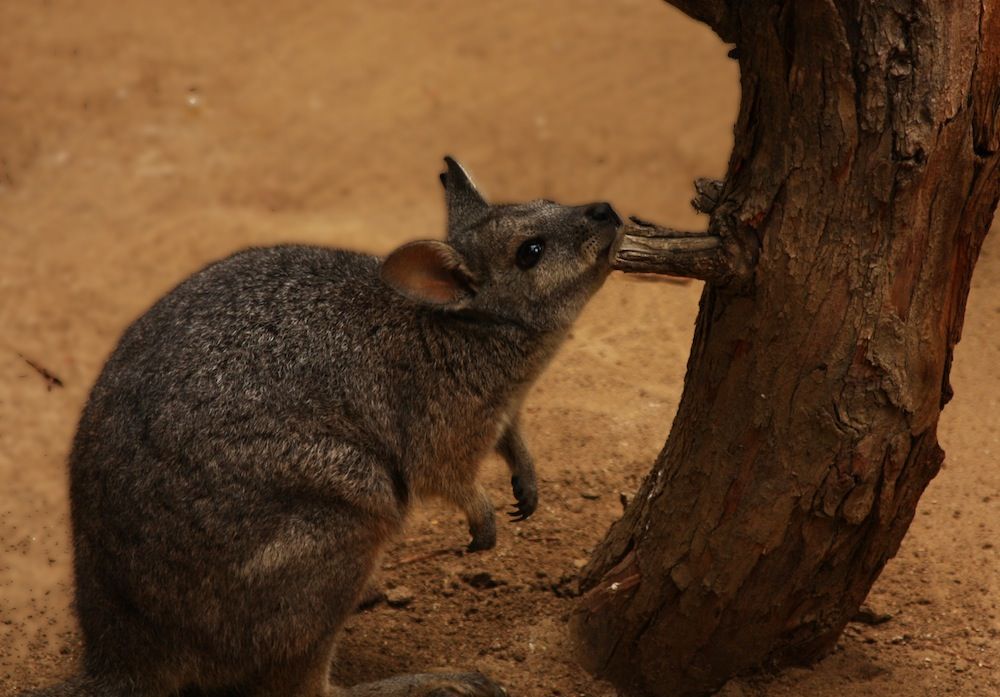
[(527, 499)]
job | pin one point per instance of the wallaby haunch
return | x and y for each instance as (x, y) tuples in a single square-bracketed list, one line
[(260, 433)]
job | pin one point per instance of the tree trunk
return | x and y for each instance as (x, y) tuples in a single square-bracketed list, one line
[(862, 183)]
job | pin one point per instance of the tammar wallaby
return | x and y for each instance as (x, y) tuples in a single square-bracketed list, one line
[(258, 436)]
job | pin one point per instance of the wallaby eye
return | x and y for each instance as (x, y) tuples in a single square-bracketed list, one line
[(529, 253)]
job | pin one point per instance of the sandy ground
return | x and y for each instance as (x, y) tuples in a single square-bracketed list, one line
[(139, 141)]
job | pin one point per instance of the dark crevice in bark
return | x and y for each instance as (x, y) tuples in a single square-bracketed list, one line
[(981, 151)]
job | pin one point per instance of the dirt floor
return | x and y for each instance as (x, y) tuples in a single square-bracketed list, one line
[(140, 140)]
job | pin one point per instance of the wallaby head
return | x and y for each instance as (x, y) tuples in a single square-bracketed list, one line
[(535, 264)]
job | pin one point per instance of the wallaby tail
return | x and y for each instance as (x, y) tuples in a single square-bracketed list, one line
[(81, 686), (430, 685)]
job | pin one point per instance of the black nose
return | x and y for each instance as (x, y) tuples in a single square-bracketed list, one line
[(602, 213)]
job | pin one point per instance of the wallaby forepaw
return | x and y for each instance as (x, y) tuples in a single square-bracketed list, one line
[(482, 540), (526, 493), (482, 522), (372, 595), (468, 685)]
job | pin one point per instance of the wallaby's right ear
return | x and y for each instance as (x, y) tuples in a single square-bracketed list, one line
[(430, 272), (466, 206)]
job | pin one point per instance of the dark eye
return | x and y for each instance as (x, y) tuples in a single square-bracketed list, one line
[(529, 253)]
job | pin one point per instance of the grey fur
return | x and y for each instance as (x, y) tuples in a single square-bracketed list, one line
[(261, 432)]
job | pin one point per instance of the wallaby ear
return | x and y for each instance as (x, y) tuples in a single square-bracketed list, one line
[(466, 206), (430, 272)]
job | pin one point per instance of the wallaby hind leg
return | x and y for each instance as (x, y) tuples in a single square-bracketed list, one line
[(305, 676), (428, 685)]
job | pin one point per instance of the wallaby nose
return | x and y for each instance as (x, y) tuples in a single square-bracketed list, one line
[(602, 213)]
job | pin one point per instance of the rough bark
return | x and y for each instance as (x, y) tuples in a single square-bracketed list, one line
[(863, 180)]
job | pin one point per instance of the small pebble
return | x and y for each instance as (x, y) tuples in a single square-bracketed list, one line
[(400, 596)]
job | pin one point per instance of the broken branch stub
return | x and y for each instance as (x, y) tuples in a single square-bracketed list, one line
[(647, 248)]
